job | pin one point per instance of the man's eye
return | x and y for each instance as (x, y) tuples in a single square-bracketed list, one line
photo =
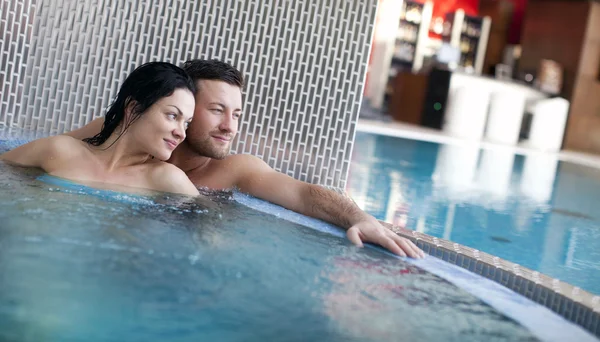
[(217, 110), (237, 115)]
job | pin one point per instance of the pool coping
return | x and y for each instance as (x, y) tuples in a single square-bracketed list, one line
[(572, 303)]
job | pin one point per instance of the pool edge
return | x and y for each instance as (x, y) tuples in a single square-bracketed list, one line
[(570, 302), (413, 132)]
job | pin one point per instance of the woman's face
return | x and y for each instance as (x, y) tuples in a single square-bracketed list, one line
[(162, 127)]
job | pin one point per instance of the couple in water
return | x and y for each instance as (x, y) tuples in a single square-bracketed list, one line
[(170, 129)]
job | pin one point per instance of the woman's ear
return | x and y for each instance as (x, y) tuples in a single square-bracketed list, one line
[(129, 115)]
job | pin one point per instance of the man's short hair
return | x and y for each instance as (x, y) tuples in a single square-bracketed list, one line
[(214, 69)]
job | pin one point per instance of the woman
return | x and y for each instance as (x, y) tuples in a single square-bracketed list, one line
[(142, 127)]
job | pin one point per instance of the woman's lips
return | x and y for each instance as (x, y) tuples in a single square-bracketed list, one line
[(172, 144)]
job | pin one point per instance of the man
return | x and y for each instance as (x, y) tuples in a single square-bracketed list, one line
[(204, 156)]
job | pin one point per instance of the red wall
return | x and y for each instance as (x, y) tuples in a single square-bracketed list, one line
[(441, 7), (471, 7), (514, 33)]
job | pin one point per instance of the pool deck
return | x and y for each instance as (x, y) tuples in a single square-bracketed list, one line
[(570, 302)]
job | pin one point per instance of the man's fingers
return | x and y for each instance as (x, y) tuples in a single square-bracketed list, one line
[(354, 237), (408, 246), (417, 249), (391, 245), (386, 239)]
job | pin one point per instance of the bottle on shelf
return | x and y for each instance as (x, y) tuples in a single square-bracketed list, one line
[(402, 52), (469, 34)]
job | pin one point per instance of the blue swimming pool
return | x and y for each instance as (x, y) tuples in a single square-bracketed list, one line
[(82, 264), (532, 210)]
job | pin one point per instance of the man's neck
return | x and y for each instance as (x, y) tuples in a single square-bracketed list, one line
[(186, 159)]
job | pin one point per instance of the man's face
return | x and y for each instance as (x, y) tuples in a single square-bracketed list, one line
[(216, 116)]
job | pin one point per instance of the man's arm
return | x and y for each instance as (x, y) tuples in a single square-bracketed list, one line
[(88, 130), (260, 180)]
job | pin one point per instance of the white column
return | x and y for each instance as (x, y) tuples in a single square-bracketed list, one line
[(466, 112), (505, 117), (548, 124), (382, 47)]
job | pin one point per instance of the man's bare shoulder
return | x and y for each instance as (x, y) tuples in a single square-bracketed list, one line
[(229, 172)]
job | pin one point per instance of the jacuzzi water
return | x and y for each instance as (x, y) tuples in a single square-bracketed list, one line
[(80, 264), (533, 210)]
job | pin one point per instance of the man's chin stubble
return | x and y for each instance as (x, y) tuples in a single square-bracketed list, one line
[(221, 154), (212, 152)]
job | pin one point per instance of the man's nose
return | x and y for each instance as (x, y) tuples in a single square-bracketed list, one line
[(227, 124)]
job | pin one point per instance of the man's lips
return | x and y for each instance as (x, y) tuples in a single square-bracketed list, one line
[(222, 138), (172, 144)]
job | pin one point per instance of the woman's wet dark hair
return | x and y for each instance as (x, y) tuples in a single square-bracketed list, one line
[(146, 85)]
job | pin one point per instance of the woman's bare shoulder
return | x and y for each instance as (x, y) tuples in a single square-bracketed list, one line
[(169, 178), (45, 152), (59, 142), (67, 147), (161, 168)]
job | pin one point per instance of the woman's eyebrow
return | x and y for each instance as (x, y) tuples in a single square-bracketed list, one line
[(178, 110)]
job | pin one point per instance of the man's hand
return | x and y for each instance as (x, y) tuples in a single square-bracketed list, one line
[(255, 177), (372, 231)]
